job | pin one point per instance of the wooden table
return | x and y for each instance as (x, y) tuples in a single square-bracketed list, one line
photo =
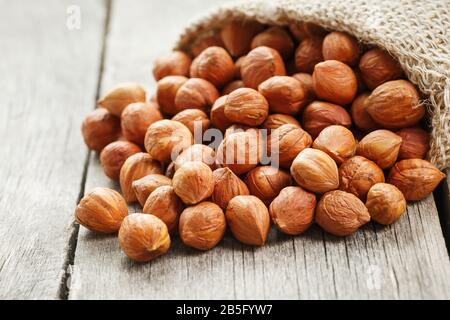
[(50, 77)]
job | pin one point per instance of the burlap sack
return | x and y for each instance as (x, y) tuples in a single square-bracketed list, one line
[(416, 32)]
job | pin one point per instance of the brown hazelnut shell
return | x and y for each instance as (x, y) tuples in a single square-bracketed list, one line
[(144, 186), (415, 143), (266, 182), (166, 91), (226, 186), (378, 67), (276, 120), (193, 182), (176, 63), (381, 146), (218, 118), (341, 47), (119, 97), (192, 119), (246, 106), (197, 152), (386, 203), (196, 93), (100, 128), (136, 118), (114, 155), (308, 54), (276, 38), (237, 36), (337, 141)]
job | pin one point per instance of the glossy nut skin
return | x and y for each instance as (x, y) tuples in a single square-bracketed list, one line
[(233, 85), (358, 174), (246, 106), (416, 178), (276, 38), (381, 146), (202, 226), (386, 203), (361, 118), (305, 80), (378, 67), (143, 237), (144, 186), (237, 36), (193, 182), (292, 211), (227, 185), (136, 118), (217, 115), (319, 115), (276, 120), (337, 141), (114, 155), (308, 54), (303, 30), (415, 143), (101, 210), (166, 91), (203, 43), (248, 219), (341, 47), (119, 97), (176, 63), (341, 213), (266, 182), (194, 119), (196, 93), (100, 128), (197, 152)]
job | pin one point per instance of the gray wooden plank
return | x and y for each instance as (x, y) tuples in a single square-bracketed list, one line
[(48, 76), (404, 261)]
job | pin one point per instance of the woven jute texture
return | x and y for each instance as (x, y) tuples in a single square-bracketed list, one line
[(416, 32)]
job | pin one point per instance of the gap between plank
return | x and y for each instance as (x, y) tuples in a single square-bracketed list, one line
[(442, 201)]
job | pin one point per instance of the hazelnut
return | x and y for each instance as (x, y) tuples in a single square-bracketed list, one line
[(193, 119), (319, 115), (246, 106), (215, 65), (337, 141), (308, 54), (144, 186), (136, 118), (143, 237), (248, 219), (305, 80), (315, 171), (206, 42), (202, 226), (276, 120), (286, 142), (284, 94), (334, 81), (416, 178), (226, 186), (341, 213), (385, 203), (101, 210), (266, 182), (170, 170), (100, 128), (116, 99), (292, 211), (303, 30), (196, 93), (377, 67), (358, 174), (360, 116), (237, 36), (236, 84), (193, 182), (165, 139), (341, 47), (261, 64), (114, 155), (395, 105), (359, 80), (237, 67), (165, 204), (166, 91), (218, 118), (276, 38), (197, 152), (235, 128), (381, 146), (415, 143), (135, 167), (176, 63)]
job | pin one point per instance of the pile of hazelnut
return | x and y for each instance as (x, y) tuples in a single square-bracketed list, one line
[(338, 121)]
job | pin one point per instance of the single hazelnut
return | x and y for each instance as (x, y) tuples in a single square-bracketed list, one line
[(248, 219), (193, 119), (362, 119), (143, 237), (214, 40), (165, 204), (229, 88), (416, 178), (136, 118), (303, 30), (266, 182), (218, 118), (292, 211), (286, 142), (415, 143), (202, 226), (166, 91), (116, 99), (276, 38), (246, 106), (334, 81), (193, 182), (135, 167), (337, 141), (197, 152), (170, 170), (319, 115), (341, 213), (237, 67), (196, 93), (237, 36), (395, 105), (380, 146), (226, 186), (144, 186), (377, 67), (100, 128), (235, 128), (114, 155), (305, 80), (308, 54), (101, 210), (315, 171), (215, 65), (166, 139), (358, 174), (341, 47), (176, 63), (386, 204), (284, 94), (261, 64), (276, 120)]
